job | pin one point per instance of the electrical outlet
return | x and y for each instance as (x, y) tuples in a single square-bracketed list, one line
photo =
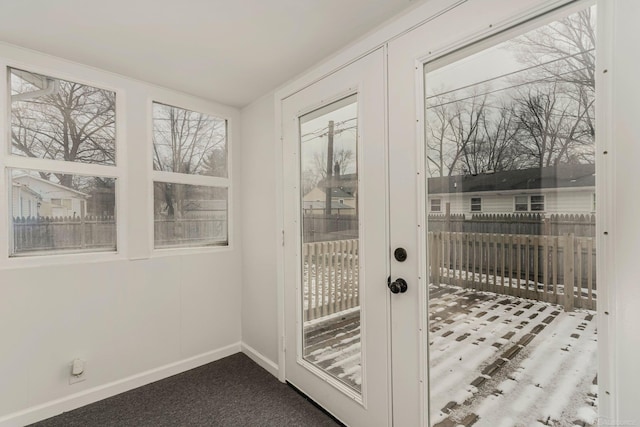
[(77, 371)]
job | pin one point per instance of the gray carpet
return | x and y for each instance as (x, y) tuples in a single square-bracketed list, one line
[(233, 391)]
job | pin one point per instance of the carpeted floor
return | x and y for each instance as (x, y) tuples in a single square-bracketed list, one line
[(233, 391)]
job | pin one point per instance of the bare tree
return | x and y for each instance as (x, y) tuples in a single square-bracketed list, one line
[(71, 122), (184, 141), (466, 134), (495, 147), (438, 117), (187, 142), (551, 128), (561, 56)]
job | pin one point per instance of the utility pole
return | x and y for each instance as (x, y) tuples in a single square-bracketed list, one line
[(329, 178)]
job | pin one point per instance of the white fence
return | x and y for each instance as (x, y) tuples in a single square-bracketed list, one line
[(556, 269), (330, 277)]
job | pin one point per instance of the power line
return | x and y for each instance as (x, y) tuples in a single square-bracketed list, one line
[(512, 73), (336, 132), (499, 107), (320, 132), (505, 88)]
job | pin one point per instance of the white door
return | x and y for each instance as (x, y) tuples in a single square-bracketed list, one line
[(485, 334), (336, 247)]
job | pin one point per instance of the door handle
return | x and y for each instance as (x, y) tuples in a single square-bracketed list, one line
[(399, 286)]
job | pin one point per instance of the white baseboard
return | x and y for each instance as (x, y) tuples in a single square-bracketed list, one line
[(74, 401), (260, 359)]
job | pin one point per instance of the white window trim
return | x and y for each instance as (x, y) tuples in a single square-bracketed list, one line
[(189, 179)]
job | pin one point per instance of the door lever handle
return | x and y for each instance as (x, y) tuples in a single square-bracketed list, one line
[(399, 286)]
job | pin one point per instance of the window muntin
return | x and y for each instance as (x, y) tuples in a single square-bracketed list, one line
[(61, 120), (190, 178), (188, 142), (476, 204), (436, 205), (64, 213)]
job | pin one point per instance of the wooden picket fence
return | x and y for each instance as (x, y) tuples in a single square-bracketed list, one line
[(31, 234), (330, 277), (523, 223), (556, 269), (171, 231)]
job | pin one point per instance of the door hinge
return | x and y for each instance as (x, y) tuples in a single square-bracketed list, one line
[(284, 344), (282, 237)]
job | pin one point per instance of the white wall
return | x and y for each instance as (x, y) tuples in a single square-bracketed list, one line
[(135, 316), (259, 230), (615, 206)]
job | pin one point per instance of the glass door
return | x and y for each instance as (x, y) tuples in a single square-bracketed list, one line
[(503, 279), (336, 240), (510, 149)]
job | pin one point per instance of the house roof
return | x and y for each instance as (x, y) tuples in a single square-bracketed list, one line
[(562, 176), (26, 189), (22, 178)]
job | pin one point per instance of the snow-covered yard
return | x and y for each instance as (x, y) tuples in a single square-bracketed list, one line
[(494, 360)]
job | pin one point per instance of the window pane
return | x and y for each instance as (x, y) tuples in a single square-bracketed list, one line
[(61, 120), (330, 303), (537, 203), (476, 204), (435, 205), (189, 215), (522, 203), (188, 142), (61, 213), (512, 296)]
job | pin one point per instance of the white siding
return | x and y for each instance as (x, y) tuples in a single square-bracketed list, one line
[(578, 201)]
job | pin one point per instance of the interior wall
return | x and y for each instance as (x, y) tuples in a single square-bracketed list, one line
[(135, 316), (259, 230)]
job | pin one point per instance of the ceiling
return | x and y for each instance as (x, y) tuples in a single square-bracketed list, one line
[(230, 51)]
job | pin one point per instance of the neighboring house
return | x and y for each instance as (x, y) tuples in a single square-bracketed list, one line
[(565, 189), (314, 202), (56, 200), (343, 196), (25, 202)]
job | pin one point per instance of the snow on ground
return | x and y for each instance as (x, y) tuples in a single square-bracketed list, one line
[(540, 368), (494, 360)]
